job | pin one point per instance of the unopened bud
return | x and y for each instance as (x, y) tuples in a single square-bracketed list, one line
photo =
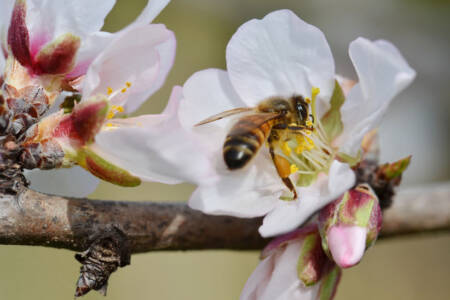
[(349, 225)]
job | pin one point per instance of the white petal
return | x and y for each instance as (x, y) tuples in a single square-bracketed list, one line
[(288, 215), (280, 55), (132, 57), (73, 182), (383, 73), (347, 244), (47, 19), (155, 148), (275, 278), (207, 93), (151, 11), (250, 192)]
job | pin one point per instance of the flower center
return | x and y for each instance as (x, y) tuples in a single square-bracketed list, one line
[(115, 109), (308, 150)]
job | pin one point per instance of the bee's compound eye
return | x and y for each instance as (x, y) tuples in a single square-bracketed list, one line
[(302, 111)]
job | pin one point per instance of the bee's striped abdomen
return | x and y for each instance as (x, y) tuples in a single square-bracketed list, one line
[(244, 140)]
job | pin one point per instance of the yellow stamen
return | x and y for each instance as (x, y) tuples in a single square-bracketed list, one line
[(314, 92), (308, 100), (123, 90), (128, 84), (286, 149), (109, 125), (308, 132), (310, 145), (109, 90), (309, 123), (293, 169)]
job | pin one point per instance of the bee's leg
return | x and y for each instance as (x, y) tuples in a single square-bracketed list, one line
[(283, 168)]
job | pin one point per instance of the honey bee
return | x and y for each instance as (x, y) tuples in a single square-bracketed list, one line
[(274, 120)]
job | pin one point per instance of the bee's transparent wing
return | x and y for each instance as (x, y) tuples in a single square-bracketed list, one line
[(225, 114)]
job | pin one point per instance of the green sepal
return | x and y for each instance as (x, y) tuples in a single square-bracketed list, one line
[(394, 170), (306, 179), (331, 121), (329, 284), (104, 169), (311, 260), (350, 160)]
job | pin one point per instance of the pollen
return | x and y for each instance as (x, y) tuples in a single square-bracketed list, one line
[(293, 168), (109, 125), (286, 149), (109, 90), (309, 123), (308, 100), (301, 144), (123, 90), (128, 84), (114, 110)]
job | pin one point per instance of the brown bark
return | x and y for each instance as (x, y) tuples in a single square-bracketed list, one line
[(38, 219)]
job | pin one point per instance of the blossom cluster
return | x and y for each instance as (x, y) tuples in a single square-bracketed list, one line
[(294, 165)]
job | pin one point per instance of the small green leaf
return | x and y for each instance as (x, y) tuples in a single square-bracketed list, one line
[(104, 169), (69, 102), (331, 121), (394, 170), (329, 284)]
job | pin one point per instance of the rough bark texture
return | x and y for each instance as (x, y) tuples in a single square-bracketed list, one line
[(38, 219)]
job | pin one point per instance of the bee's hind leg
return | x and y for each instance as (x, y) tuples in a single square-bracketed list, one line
[(283, 169)]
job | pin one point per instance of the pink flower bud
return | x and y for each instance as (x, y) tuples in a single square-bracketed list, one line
[(349, 225)]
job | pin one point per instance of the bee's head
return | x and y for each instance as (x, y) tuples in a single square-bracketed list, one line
[(302, 109)]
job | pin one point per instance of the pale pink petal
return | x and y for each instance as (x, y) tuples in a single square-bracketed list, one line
[(47, 19), (150, 12), (132, 57), (347, 244), (166, 52), (2, 64), (6, 7), (279, 55), (288, 215), (276, 278), (383, 73), (154, 148), (72, 182), (91, 46)]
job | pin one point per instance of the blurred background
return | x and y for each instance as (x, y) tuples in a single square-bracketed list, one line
[(415, 267)]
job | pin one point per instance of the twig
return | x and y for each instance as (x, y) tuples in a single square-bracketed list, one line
[(38, 219)]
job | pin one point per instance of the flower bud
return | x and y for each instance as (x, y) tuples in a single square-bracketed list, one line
[(349, 225)]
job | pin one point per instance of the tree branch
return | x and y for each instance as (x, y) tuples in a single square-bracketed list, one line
[(52, 221)]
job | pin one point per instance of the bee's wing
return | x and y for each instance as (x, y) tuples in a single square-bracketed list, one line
[(225, 114)]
